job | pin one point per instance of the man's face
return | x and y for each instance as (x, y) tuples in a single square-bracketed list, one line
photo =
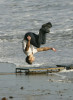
[(31, 59)]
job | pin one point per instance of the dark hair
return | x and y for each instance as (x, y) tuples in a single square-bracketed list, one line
[(27, 60)]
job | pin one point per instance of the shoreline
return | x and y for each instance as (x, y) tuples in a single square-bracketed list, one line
[(26, 87), (7, 67)]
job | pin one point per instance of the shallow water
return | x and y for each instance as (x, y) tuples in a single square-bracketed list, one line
[(53, 86), (34, 88)]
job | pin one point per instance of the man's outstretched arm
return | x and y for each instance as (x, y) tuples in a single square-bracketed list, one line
[(45, 49)]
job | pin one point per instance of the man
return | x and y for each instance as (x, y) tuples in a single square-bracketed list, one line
[(32, 42), (30, 50)]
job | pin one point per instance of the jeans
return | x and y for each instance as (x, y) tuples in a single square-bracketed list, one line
[(36, 40)]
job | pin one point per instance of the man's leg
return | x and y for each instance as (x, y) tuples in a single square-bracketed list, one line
[(42, 38), (43, 31), (34, 39)]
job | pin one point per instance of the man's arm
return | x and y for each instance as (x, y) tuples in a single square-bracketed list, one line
[(28, 43), (45, 49)]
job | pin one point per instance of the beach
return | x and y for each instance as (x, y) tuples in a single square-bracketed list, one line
[(17, 17), (53, 86)]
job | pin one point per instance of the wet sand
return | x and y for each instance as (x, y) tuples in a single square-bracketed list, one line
[(33, 87)]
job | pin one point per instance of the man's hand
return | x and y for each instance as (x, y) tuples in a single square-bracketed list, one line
[(54, 49), (29, 38)]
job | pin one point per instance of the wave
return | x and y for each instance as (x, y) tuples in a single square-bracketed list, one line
[(61, 80), (70, 70), (11, 37)]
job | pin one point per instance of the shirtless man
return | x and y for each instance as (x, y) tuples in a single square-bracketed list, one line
[(32, 42)]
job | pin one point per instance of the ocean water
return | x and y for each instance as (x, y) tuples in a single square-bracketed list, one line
[(20, 16)]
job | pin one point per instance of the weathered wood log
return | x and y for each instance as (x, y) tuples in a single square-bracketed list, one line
[(38, 70)]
